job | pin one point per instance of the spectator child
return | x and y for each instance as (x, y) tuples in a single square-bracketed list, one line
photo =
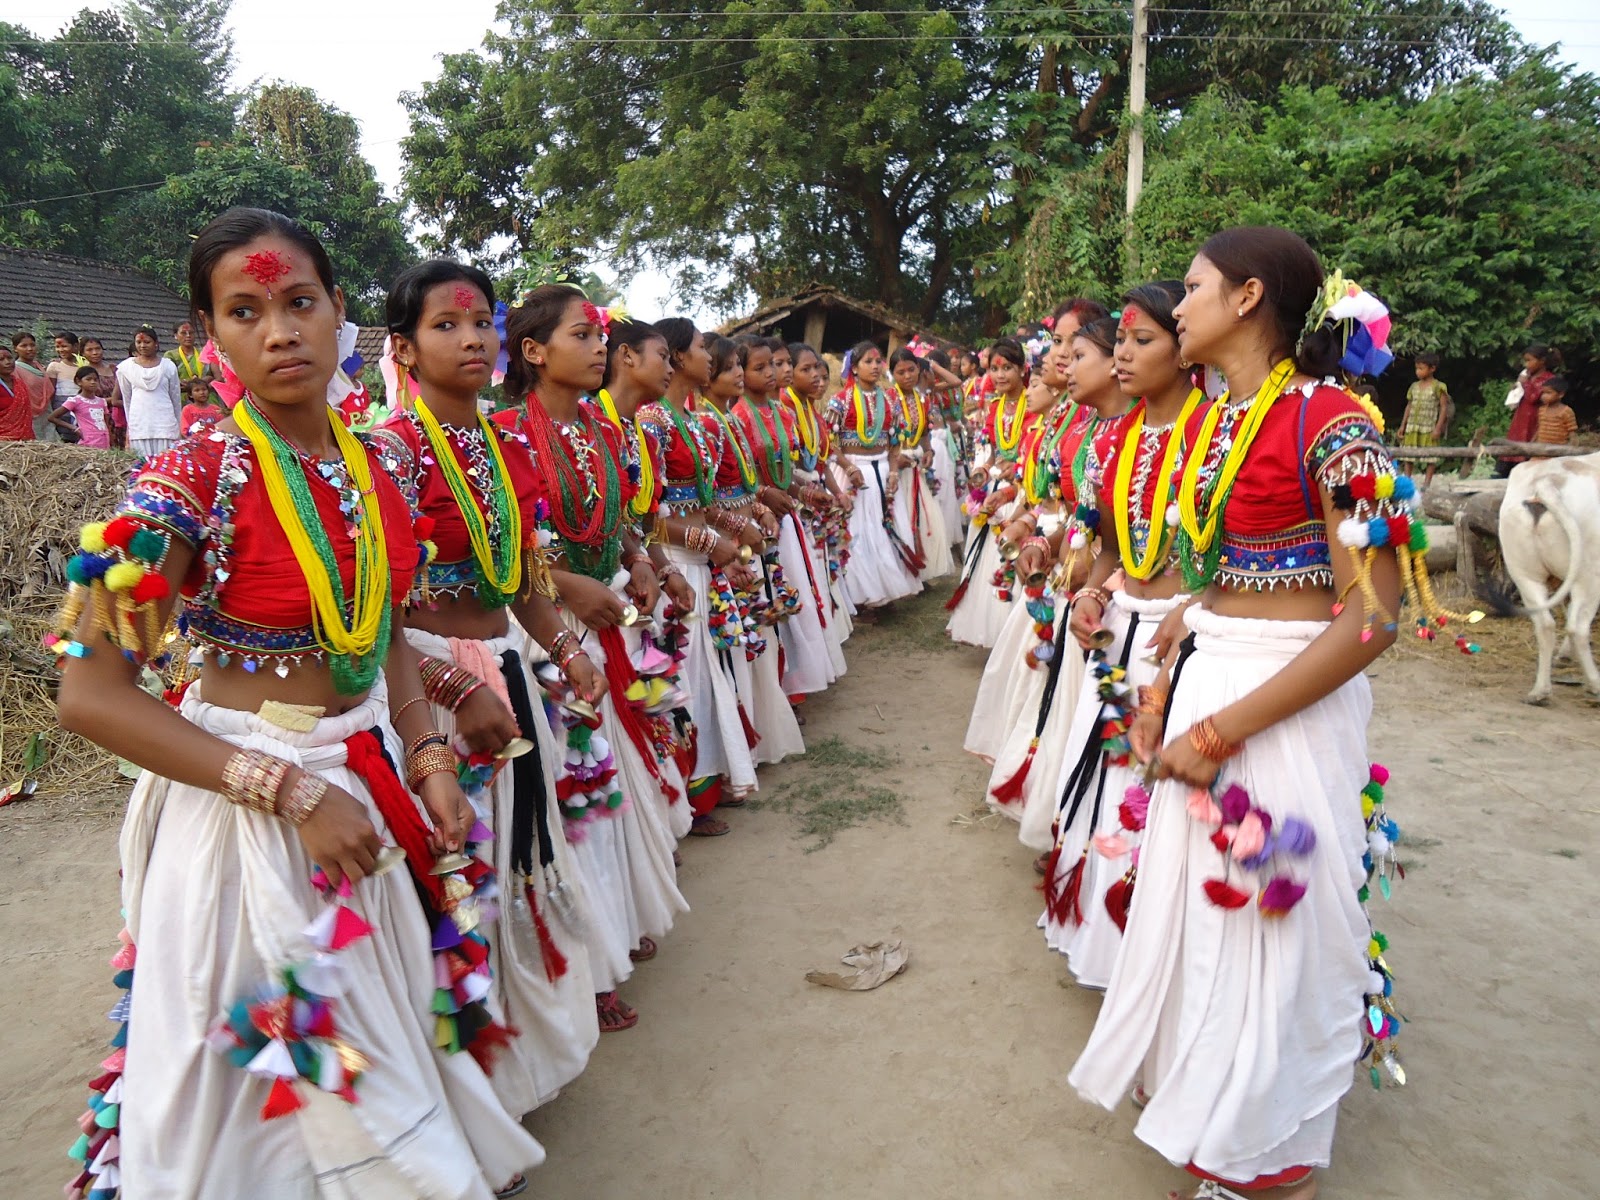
[(61, 372), (94, 350), (204, 408), (1427, 415), (16, 407), (1539, 363), (87, 410), (1557, 422)]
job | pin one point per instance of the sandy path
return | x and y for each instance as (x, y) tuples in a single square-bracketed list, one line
[(742, 1081)]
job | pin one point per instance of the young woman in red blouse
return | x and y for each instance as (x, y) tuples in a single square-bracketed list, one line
[(254, 860), (865, 431), (1133, 462), (472, 482), (715, 565), (1248, 981), (980, 605), (616, 822), (811, 660), (738, 509)]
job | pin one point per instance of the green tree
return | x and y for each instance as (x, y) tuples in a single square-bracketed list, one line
[(368, 247), (294, 126), (1474, 211), (120, 107), (766, 155), (1077, 66)]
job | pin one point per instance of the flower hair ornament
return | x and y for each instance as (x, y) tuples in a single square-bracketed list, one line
[(1362, 319)]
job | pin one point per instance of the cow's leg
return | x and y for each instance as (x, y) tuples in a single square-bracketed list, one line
[(1581, 608), (1536, 595)]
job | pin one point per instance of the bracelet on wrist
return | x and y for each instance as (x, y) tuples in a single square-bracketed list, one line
[(1153, 701), (1099, 595), (303, 798), (563, 660), (667, 570), (1208, 743), (632, 560), (432, 738), (432, 760), (252, 779)]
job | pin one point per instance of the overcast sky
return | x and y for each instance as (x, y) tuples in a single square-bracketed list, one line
[(361, 54)]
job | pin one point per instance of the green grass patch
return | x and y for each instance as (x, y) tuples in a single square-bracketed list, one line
[(831, 788), (917, 623)]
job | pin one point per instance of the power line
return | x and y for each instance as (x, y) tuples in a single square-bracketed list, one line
[(1123, 10)]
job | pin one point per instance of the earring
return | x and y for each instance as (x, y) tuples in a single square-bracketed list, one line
[(538, 362), (1184, 364), (1241, 313)]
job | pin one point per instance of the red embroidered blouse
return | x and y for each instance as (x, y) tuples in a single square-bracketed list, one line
[(244, 594)]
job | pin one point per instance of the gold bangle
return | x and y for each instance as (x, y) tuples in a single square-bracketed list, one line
[(394, 717), (252, 779), (303, 798), (421, 740), (1152, 701), (430, 761)]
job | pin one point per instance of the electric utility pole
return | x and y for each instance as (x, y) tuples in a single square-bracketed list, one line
[(1141, 43)]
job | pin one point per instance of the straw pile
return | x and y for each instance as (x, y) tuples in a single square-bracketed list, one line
[(47, 491)]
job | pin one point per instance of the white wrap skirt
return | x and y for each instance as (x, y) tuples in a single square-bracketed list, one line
[(217, 899), (555, 1019), (1244, 1028)]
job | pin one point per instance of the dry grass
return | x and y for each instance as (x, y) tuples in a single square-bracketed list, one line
[(46, 493)]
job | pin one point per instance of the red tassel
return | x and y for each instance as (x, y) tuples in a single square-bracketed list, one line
[(955, 596), (1062, 901), (489, 1041), (555, 963), (750, 734), (621, 676), (1224, 895), (1220, 840), (1051, 859), (399, 811), (1072, 902), (1119, 896), (1011, 790), (281, 1100)]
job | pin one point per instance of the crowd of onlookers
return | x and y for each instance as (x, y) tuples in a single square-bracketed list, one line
[(145, 402)]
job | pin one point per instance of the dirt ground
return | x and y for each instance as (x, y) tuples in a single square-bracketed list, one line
[(744, 1082)]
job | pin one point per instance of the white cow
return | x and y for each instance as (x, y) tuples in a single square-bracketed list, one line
[(1550, 532)]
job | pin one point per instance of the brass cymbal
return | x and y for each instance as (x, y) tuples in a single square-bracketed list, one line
[(515, 748)]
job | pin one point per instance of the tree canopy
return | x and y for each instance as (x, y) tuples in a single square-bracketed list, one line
[(119, 139), (1473, 211), (893, 148)]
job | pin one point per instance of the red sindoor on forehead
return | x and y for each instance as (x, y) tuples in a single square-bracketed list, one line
[(266, 267), (465, 299)]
